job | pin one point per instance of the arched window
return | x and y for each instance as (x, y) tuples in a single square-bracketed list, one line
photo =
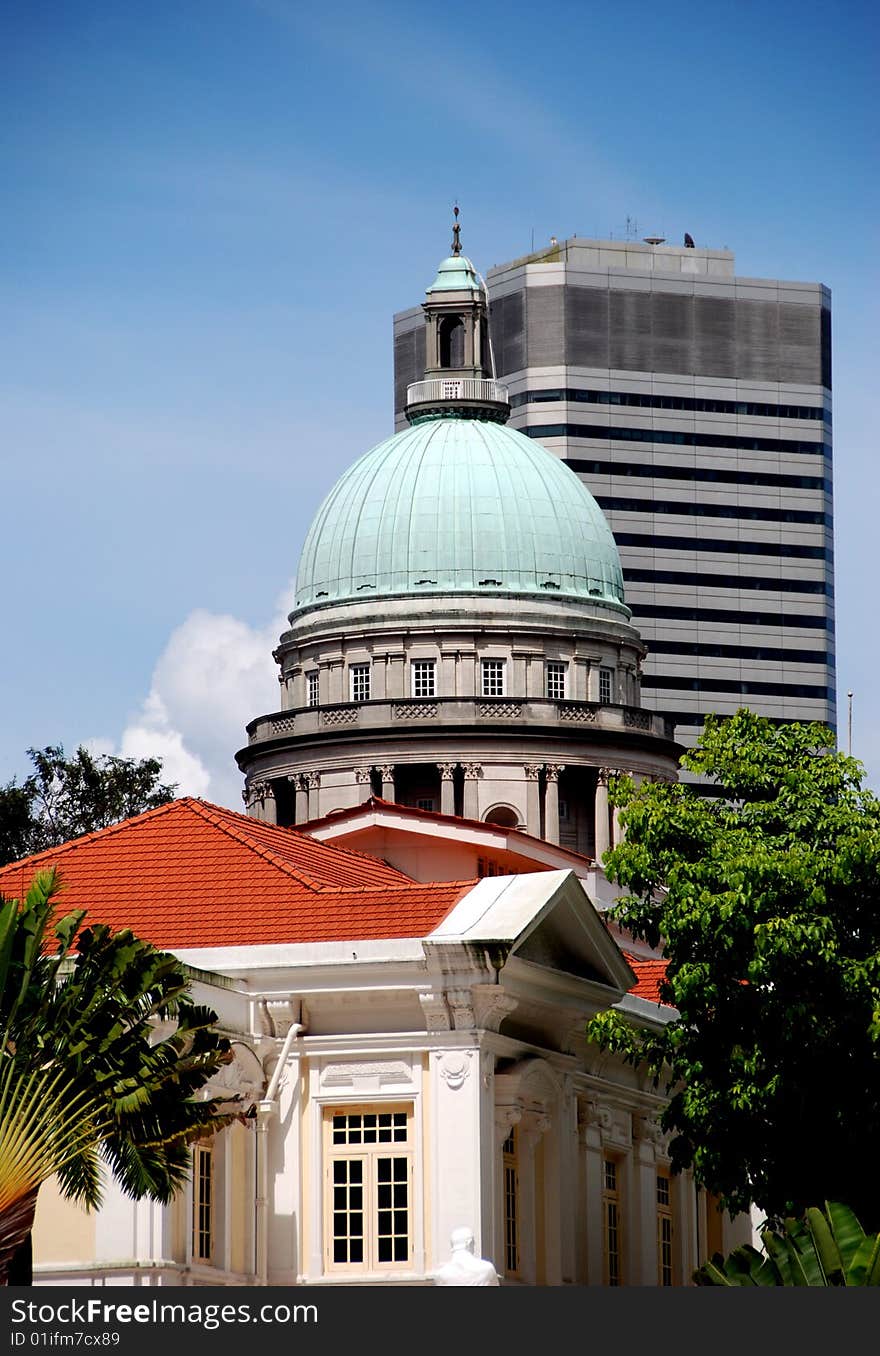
[(451, 341), (503, 816)]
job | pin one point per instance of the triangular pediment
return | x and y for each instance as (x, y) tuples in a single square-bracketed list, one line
[(546, 920)]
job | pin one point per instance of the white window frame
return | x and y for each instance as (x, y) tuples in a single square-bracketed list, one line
[(370, 1157), (493, 672), (665, 1229), (360, 682), (423, 675), (511, 1203), (313, 688), (556, 669), (204, 1203), (606, 680), (612, 1223)]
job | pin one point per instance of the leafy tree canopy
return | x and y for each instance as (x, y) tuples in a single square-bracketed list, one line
[(65, 797), (766, 901)]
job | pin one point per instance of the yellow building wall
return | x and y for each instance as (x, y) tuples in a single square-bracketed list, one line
[(240, 1204), (63, 1232)]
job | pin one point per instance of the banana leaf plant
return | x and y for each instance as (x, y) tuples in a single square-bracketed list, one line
[(821, 1247), (45, 1122), (106, 1019)]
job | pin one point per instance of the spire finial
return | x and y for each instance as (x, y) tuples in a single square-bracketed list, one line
[(456, 233)]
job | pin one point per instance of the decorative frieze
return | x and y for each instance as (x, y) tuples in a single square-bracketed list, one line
[(367, 1075)]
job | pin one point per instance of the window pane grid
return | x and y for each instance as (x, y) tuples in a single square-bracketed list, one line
[(384, 1127), (493, 677), (555, 676), (203, 1204), (511, 1204), (605, 677), (369, 1171), (664, 1229), (359, 679), (611, 1217), (348, 1210), (424, 678), (392, 1209), (312, 689)]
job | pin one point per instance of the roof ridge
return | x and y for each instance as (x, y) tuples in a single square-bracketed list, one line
[(294, 833), (219, 821)]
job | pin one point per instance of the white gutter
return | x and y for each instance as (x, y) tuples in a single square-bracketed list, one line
[(265, 1109)]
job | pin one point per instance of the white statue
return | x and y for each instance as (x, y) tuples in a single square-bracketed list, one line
[(463, 1268)]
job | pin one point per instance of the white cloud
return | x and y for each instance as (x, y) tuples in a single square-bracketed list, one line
[(215, 674)]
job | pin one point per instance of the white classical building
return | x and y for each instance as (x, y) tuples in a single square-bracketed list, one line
[(404, 937), (410, 1058)]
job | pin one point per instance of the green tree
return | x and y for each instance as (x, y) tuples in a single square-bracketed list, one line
[(67, 796), (111, 1018), (766, 900)]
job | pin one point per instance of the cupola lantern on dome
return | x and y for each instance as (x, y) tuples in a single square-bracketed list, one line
[(459, 376)]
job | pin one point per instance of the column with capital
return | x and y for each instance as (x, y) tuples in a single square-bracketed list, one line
[(259, 799), (617, 835), (603, 837), (387, 771), (551, 801), (447, 788), (472, 773), (301, 791), (533, 798), (312, 782), (364, 781)]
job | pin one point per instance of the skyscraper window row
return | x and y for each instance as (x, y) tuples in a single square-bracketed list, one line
[(699, 405), (698, 510), (680, 437), (648, 611), (697, 579), (738, 687), (767, 653), (747, 548), (707, 474)]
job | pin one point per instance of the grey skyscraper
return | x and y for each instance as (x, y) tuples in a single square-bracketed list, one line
[(696, 406)]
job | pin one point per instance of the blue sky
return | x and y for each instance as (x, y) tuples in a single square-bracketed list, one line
[(213, 207)]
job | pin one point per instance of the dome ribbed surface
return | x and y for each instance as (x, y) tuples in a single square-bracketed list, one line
[(459, 505)]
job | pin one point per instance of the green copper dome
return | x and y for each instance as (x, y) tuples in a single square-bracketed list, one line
[(455, 274), (459, 506)]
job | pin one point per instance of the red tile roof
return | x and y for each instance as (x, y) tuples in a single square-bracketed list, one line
[(192, 874), (649, 974)]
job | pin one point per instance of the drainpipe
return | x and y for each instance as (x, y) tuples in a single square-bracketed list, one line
[(265, 1109)]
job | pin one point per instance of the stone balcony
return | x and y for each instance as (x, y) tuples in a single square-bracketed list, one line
[(477, 713)]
